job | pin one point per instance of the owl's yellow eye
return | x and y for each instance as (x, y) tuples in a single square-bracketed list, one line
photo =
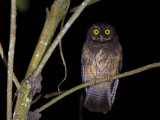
[(107, 31), (96, 32)]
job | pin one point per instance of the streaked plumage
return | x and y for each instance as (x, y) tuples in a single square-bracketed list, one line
[(101, 57)]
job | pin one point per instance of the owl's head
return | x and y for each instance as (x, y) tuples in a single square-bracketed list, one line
[(101, 32)]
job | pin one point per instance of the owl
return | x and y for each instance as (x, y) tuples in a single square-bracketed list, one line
[(101, 58)]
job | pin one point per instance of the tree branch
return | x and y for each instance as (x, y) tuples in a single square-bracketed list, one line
[(60, 35), (16, 82), (11, 58), (54, 16), (90, 3), (53, 94), (61, 51), (36, 99), (138, 70)]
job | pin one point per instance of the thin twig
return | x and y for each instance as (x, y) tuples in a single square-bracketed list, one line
[(138, 70), (16, 82), (92, 2), (53, 94), (1, 50), (36, 99), (11, 58), (61, 51), (60, 35)]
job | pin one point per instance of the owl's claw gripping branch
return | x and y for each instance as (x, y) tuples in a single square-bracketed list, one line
[(94, 81), (109, 78)]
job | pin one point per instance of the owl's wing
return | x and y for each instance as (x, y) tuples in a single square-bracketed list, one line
[(84, 77), (114, 89), (120, 65), (116, 82), (82, 69), (85, 63)]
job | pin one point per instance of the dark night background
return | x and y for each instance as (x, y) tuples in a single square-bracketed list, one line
[(137, 23)]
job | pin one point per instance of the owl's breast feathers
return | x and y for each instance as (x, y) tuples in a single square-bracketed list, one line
[(100, 64), (100, 97)]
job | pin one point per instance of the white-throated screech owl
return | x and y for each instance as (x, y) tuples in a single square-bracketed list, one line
[(101, 57)]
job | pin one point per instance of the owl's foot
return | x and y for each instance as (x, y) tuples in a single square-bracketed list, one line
[(94, 81), (108, 78)]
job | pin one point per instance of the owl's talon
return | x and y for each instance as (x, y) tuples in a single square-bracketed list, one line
[(94, 81), (108, 78)]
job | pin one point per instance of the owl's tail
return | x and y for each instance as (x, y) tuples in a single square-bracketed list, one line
[(100, 100)]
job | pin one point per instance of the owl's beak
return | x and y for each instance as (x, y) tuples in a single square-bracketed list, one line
[(101, 37)]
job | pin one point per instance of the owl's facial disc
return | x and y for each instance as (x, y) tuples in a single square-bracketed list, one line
[(101, 32)]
